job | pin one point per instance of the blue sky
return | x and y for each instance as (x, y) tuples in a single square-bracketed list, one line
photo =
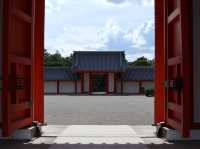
[(119, 25)]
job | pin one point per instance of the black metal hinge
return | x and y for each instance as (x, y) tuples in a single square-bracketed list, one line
[(176, 84), (20, 84)]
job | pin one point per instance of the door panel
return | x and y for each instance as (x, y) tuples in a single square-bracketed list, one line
[(178, 58), (1, 49), (18, 64)]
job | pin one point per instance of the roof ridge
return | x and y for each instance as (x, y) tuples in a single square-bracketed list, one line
[(57, 67), (140, 67), (99, 51)]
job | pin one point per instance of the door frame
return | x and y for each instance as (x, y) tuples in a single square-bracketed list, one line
[(38, 102), (39, 61), (160, 63)]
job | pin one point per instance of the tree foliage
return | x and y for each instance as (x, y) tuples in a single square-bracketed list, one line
[(142, 61), (56, 60)]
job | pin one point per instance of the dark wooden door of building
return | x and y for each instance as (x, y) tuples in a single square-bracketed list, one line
[(99, 83)]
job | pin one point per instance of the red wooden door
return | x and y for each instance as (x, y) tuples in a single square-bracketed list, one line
[(179, 66), (18, 64)]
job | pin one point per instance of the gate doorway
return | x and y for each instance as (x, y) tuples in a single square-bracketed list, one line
[(99, 83), (18, 62), (100, 73)]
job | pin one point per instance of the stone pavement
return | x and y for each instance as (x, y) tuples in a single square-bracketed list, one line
[(99, 110), (98, 137)]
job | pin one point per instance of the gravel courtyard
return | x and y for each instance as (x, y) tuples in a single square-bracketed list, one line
[(99, 110)]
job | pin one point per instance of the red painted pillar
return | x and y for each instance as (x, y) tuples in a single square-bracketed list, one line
[(122, 86), (140, 87), (58, 87), (38, 99), (90, 81), (82, 83), (107, 83), (76, 87), (160, 64), (115, 83)]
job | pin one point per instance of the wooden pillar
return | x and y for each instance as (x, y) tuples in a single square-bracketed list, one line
[(107, 83), (76, 87), (115, 83), (90, 83), (82, 83), (160, 65), (122, 86), (140, 87), (58, 87), (39, 61)]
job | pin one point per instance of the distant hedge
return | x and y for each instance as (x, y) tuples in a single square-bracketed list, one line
[(149, 92)]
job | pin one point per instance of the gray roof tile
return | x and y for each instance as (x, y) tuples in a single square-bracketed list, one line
[(58, 73), (99, 61), (139, 73)]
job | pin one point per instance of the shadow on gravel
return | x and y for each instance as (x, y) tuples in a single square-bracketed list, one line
[(27, 145)]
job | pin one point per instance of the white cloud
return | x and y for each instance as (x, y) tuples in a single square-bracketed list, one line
[(136, 42), (54, 6), (85, 25), (143, 36), (75, 38), (138, 2), (114, 36), (139, 41), (117, 3)]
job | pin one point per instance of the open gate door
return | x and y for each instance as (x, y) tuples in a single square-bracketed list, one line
[(179, 66), (18, 64)]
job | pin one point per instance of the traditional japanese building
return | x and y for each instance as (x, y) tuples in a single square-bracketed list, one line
[(98, 73)]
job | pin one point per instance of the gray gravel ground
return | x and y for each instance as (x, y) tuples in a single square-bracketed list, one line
[(99, 110)]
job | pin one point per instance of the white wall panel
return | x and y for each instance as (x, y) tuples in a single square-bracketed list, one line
[(131, 87), (111, 82), (196, 40), (1, 49), (67, 87), (118, 86), (78, 87), (50, 87), (86, 82)]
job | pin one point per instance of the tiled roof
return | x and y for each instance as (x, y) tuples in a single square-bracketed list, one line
[(131, 74), (99, 61), (58, 73), (139, 73)]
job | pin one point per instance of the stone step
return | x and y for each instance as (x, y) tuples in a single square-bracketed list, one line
[(27, 133)]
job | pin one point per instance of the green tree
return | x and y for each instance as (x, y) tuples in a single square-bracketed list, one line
[(142, 61), (56, 60)]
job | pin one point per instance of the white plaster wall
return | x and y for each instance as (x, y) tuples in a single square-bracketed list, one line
[(86, 82), (67, 87), (50, 87), (1, 49), (118, 86), (79, 87), (196, 40), (131, 87), (111, 84), (148, 85)]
